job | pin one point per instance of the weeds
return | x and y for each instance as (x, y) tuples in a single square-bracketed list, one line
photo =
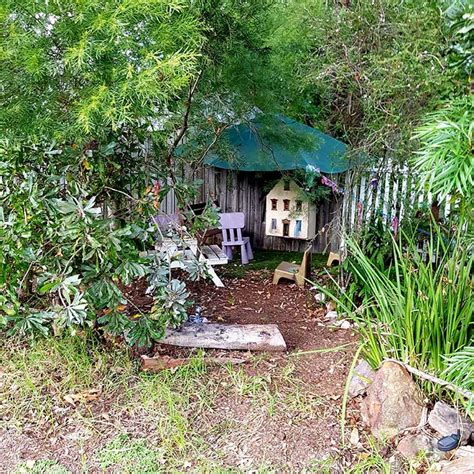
[(165, 422), (38, 377), (421, 308), (131, 456), (41, 467)]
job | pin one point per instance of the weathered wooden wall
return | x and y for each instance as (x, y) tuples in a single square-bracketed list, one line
[(243, 192)]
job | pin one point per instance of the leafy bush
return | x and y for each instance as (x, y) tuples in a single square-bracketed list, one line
[(95, 99), (65, 256), (445, 158), (460, 371)]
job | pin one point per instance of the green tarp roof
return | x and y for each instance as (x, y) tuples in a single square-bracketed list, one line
[(278, 143)]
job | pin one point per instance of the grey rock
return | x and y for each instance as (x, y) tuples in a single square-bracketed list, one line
[(412, 445), (446, 420), (393, 403), (462, 465), (345, 324), (320, 297), (331, 315), (361, 379)]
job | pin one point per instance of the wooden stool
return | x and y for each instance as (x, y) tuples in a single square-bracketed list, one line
[(333, 257)]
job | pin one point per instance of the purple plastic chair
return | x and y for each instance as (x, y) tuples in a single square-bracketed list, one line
[(232, 224)]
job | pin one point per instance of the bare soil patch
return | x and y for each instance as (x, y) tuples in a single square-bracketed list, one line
[(279, 411)]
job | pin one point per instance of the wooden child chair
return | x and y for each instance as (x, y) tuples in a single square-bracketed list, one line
[(333, 258), (291, 271), (232, 224)]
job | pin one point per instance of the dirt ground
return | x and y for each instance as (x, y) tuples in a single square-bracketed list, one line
[(320, 375), (278, 413)]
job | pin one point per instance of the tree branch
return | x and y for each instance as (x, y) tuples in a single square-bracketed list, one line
[(184, 126)]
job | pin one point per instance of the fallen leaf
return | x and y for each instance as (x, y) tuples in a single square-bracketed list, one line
[(85, 396)]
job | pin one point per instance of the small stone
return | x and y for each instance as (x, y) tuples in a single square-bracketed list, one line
[(331, 315), (446, 420), (345, 324), (465, 451), (361, 379), (462, 465), (412, 445), (393, 403), (354, 439), (320, 297), (331, 306)]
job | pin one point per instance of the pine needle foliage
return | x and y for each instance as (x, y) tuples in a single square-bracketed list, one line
[(76, 69)]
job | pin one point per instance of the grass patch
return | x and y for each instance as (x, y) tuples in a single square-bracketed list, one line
[(131, 456), (37, 377), (278, 393), (269, 260), (44, 466), (142, 422)]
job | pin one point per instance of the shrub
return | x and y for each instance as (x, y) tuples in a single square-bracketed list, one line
[(65, 255)]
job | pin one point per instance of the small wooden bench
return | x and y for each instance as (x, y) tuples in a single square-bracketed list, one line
[(211, 254)]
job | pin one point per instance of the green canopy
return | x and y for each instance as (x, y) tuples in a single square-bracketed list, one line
[(278, 143)]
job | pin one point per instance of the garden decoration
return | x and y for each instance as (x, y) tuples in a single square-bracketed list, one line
[(197, 317), (291, 271), (287, 214), (232, 224), (448, 443)]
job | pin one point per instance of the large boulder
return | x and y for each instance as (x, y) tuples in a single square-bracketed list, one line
[(393, 403), (361, 379), (446, 420)]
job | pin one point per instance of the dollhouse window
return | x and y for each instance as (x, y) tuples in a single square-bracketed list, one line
[(274, 204), (286, 185), (286, 204), (299, 206), (274, 224), (297, 227)]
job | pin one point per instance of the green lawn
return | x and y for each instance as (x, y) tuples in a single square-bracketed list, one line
[(269, 260)]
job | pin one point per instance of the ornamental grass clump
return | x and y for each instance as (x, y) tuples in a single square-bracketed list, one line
[(420, 309)]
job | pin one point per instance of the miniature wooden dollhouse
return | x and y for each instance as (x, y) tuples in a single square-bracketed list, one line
[(287, 215)]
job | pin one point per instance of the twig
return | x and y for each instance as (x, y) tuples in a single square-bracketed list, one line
[(122, 192), (324, 350), (431, 378), (184, 127)]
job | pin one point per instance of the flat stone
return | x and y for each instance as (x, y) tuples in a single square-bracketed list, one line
[(362, 377), (393, 403), (412, 445), (446, 420), (345, 324), (463, 465), (354, 439)]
